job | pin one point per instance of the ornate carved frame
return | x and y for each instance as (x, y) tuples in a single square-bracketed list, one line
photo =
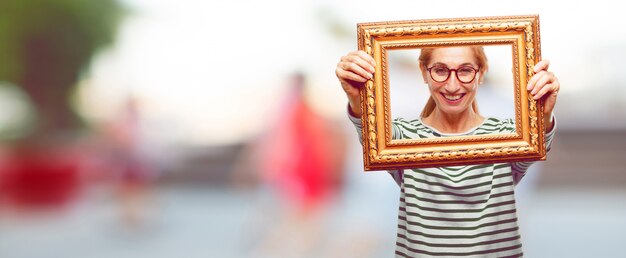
[(528, 143)]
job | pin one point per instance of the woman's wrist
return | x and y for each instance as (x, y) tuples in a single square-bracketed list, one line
[(354, 108), (549, 122)]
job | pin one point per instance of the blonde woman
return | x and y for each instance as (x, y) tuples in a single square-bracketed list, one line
[(459, 210)]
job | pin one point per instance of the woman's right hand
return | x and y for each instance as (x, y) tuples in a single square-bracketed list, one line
[(353, 70)]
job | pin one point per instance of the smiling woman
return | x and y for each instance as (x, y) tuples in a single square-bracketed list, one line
[(447, 108), (492, 88), (460, 208), (534, 90), (451, 210)]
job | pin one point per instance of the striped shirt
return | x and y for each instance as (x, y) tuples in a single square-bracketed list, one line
[(457, 211)]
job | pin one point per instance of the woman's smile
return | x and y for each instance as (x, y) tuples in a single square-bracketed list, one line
[(453, 98)]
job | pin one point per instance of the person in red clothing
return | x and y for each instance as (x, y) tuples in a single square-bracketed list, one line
[(299, 161)]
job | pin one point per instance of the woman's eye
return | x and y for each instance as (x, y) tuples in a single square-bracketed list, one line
[(441, 70), (465, 70)]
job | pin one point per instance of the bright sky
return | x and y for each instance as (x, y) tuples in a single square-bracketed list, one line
[(210, 72)]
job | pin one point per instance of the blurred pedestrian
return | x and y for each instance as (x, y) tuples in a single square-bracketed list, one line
[(299, 162), (133, 173)]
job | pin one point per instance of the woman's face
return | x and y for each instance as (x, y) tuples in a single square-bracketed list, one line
[(454, 94)]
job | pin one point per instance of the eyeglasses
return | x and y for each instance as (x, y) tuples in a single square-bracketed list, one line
[(465, 74)]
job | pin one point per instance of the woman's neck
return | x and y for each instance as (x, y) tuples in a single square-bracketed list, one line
[(453, 123)]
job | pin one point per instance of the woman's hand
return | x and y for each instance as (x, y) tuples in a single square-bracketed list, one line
[(544, 85), (353, 70)]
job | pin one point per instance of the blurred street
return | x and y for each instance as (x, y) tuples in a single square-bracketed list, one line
[(560, 217), (147, 128)]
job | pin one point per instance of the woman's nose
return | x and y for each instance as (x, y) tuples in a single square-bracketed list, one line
[(453, 84)]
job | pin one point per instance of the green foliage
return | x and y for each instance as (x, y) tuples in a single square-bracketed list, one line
[(44, 47), (76, 29)]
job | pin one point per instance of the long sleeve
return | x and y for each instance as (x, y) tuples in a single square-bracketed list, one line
[(519, 168), (356, 121)]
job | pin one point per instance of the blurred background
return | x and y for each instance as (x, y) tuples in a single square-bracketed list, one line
[(151, 128)]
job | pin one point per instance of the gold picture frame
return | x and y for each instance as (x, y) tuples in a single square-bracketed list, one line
[(526, 144)]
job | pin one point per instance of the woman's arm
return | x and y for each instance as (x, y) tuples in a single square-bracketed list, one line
[(353, 70), (543, 86), (519, 168), (356, 121)]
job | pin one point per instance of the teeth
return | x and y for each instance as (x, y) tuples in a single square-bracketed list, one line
[(452, 97)]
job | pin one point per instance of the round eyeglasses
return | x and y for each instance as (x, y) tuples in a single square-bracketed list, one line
[(465, 74)]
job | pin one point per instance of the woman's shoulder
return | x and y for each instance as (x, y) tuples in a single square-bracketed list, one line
[(409, 123), (410, 128), (402, 120), (496, 125), (496, 120)]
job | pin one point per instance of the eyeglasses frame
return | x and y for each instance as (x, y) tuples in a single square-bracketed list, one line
[(455, 73)]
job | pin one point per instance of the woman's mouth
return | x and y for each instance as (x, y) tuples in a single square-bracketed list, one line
[(454, 97)]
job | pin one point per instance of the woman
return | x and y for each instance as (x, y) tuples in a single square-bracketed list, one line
[(460, 210)]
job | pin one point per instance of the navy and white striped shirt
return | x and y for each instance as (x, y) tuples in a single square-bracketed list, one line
[(458, 211)]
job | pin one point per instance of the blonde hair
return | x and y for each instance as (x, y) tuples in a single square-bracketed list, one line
[(425, 58)]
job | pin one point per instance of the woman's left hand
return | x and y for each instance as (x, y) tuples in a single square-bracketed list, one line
[(544, 85)]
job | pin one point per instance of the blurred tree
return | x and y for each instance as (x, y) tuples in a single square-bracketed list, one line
[(45, 45)]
